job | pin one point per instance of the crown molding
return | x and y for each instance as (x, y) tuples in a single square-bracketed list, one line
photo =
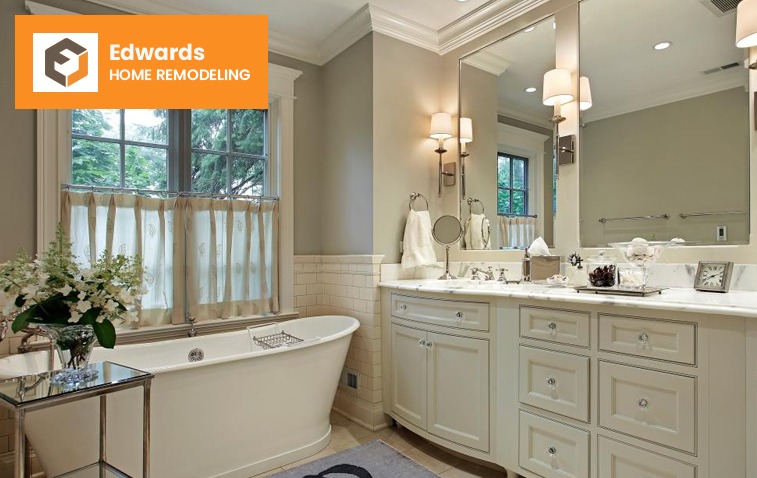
[(481, 21), (368, 19), (293, 48), (726, 82), (512, 111), (489, 62)]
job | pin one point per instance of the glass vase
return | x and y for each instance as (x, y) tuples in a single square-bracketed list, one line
[(74, 345)]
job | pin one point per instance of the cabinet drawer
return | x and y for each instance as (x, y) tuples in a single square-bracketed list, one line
[(658, 339), (561, 326), (655, 406), (618, 460), (555, 381), (449, 313), (551, 449)]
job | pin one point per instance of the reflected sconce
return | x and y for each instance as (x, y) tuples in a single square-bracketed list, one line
[(441, 129), (746, 29), (466, 136), (584, 95), (558, 90)]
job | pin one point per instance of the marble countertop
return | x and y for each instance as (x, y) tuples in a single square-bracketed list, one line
[(736, 303)]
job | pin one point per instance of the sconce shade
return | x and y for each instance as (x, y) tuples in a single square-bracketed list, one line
[(558, 87), (584, 94), (746, 24), (441, 126), (466, 130)]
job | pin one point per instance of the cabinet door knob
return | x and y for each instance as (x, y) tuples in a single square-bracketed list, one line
[(552, 381), (422, 343), (403, 307), (552, 451), (643, 337), (459, 315), (429, 344), (643, 403)]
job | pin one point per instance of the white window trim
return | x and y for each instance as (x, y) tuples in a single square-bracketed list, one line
[(54, 169)]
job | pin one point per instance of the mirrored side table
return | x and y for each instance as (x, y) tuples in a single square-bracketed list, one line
[(36, 392)]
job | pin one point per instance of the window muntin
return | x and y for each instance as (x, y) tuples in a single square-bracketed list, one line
[(229, 151), (512, 185), (120, 148)]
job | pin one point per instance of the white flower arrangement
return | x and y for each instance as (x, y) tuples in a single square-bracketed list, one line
[(53, 289)]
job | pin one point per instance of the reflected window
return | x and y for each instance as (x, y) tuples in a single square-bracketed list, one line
[(512, 185)]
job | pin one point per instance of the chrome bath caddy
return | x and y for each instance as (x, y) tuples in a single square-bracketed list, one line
[(275, 340)]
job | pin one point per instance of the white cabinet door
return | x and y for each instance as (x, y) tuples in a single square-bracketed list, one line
[(458, 389), (409, 374)]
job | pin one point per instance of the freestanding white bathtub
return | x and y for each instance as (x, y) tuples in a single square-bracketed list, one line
[(240, 411)]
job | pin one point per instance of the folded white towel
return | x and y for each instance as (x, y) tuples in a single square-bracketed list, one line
[(539, 248), (477, 232), (417, 244)]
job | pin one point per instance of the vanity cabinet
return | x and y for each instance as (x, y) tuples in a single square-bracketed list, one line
[(440, 383), (581, 389)]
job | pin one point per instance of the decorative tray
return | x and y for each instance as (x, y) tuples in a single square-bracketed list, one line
[(647, 291)]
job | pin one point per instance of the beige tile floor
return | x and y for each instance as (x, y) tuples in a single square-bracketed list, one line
[(346, 434)]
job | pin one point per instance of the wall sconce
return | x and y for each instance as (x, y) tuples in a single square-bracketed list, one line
[(558, 90), (441, 129), (466, 136), (746, 29), (584, 95)]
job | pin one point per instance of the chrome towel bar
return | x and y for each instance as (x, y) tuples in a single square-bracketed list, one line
[(684, 215), (604, 220)]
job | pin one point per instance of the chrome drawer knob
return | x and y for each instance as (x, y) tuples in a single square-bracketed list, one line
[(552, 451), (552, 381), (552, 325), (459, 315), (643, 338), (422, 343), (403, 307), (643, 403)]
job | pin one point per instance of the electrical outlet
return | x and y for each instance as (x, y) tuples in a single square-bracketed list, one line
[(350, 380), (721, 234)]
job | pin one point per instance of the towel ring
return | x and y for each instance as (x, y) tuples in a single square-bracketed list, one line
[(413, 197), (470, 205)]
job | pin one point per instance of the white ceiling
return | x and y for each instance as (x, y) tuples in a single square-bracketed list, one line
[(626, 73), (313, 20)]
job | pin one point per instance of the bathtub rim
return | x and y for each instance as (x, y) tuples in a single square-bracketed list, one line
[(354, 325)]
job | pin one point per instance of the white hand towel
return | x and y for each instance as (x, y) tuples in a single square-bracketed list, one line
[(417, 245), (477, 232), (539, 248)]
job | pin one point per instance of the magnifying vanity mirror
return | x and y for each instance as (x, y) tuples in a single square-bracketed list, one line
[(447, 231), (664, 131), (510, 180)]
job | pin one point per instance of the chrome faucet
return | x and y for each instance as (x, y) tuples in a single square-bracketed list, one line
[(488, 274), (502, 275)]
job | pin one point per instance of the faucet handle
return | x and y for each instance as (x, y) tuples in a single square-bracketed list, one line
[(474, 272), (502, 276)]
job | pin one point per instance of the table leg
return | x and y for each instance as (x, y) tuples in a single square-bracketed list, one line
[(146, 431), (20, 444), (103, 428)]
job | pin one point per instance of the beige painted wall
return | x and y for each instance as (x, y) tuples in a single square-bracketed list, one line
[(405, 94), (347, 200), (672, 158), (308, 152)]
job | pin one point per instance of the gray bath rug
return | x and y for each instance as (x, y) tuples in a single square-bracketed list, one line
[(372, 460)]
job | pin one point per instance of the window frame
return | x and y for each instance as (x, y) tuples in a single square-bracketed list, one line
[(512, 189), (171, 159)]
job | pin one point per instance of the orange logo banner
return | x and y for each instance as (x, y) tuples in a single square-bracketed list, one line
[(141, 61)]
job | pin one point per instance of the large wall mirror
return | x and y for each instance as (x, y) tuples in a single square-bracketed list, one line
[(664, 146), (509, 196)]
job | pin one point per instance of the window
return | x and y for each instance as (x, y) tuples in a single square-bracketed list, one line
[(228, 150), (120, 148), (512, 185)]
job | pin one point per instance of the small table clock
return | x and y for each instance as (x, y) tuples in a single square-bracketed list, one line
[(713, 276)]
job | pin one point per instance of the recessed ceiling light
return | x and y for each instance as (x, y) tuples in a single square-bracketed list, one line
[(461, 1), (529, 29), (663, 45), (530, 89)]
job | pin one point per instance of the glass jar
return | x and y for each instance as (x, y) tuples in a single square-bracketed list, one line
[(602, 270)]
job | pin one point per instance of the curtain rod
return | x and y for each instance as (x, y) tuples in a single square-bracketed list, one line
[(166, 192)]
